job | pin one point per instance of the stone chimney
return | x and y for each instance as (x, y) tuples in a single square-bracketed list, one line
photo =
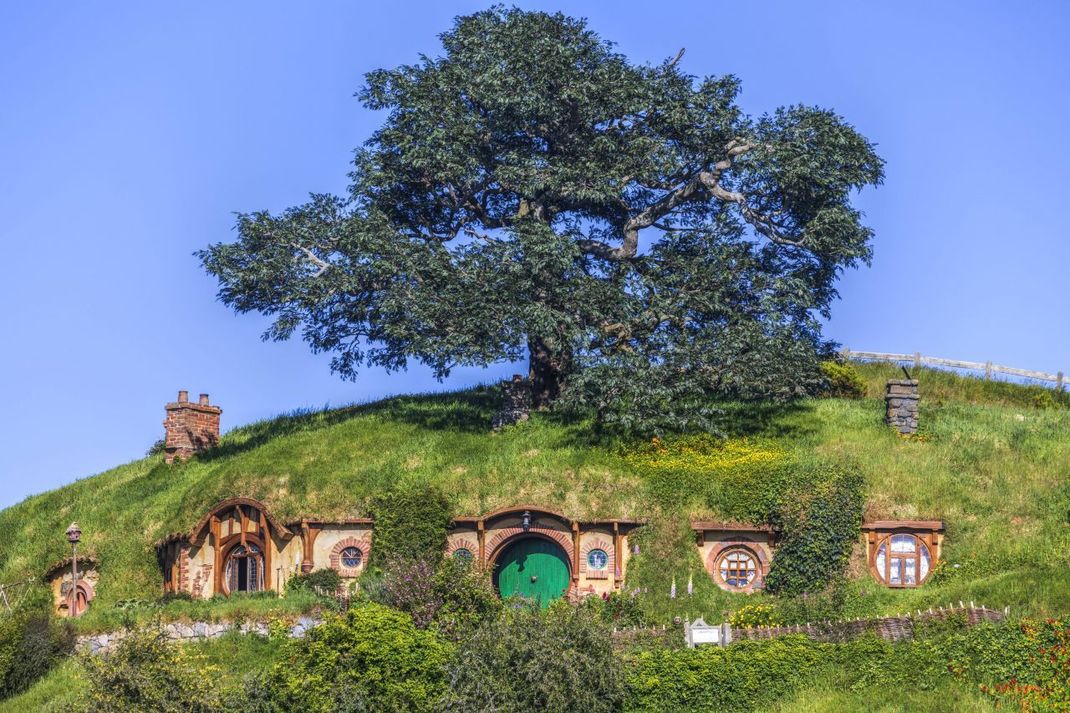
[(516, 402), (190, 427), (901, 405)]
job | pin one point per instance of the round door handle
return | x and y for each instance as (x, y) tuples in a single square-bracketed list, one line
[(534, 579)]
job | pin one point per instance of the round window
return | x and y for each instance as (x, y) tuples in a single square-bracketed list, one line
[(464, 554), (352, 557), (902, 561), (597, 559), (738, 568)]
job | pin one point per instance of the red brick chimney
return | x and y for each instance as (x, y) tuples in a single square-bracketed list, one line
[(190, 427)]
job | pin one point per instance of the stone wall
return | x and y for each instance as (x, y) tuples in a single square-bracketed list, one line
[(901, 405), (192, 632)]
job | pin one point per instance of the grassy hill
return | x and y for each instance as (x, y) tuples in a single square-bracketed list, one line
[(992, 460)]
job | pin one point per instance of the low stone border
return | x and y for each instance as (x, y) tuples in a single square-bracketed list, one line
[(195, 631)]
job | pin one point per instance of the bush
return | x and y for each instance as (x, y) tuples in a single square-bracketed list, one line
[(737, 678), (842, 381), (147, 672), (750, 616), (819, 522), (452, 595), (324, 582), (32, 641), (410, 524), (557, 660), (372, 658)]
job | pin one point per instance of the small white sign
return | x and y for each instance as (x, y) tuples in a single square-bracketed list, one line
[(699, 632)]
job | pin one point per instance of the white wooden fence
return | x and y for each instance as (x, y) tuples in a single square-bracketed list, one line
[(987, 367)]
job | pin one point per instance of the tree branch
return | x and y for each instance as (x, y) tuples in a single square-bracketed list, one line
[(313, 258)]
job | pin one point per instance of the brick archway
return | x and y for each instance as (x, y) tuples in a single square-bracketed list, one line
[(507, 535), (462, 543), (361, 544), (750, 548)]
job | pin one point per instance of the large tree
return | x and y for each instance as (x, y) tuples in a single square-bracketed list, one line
[(531, 192)]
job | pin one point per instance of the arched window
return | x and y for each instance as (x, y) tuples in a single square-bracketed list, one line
[(902, 561), (737, 568), (464, 554), (352, 557), (597, 560), (245, 569)]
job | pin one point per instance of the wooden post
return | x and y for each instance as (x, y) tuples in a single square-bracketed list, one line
[(618, 557), (576, 554), (917, 359), (481, 536), (1059, 381), (265, 535), (988, 370), (217, 569)]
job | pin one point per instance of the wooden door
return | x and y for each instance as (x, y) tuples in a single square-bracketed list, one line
[(532, 568)]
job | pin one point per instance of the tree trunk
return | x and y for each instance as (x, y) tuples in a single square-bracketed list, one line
[(547, 368)]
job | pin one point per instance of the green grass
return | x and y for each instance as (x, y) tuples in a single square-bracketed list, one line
[(992, 460)]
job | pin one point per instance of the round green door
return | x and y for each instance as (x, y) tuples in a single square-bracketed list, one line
[(532, 568)]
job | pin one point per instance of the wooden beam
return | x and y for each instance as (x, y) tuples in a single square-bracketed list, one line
[(217, 568), (575, 553), (264, 533), (481, 537), (618, 557)]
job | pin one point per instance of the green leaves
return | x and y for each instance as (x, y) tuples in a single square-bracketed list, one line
[(532, 186)]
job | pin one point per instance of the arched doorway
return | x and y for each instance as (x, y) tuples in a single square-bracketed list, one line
[(534, 568), (245, 569)]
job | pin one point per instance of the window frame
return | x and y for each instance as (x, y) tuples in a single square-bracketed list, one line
[(756, 566), (885, 539)]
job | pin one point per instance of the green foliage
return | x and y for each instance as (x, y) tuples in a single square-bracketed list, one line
[(467, 595), (324, 582), (1044, 684), (32, 642), (498, 211), (450, 595), (557, 660), (410, 524), (750, 616), (842, 381), (737, 678), (146, 672), (818, 526), (372, 656)]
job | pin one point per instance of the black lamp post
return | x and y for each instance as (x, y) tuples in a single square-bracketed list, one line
[(74, 536)]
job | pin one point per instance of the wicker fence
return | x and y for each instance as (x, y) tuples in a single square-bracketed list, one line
[(988, 368)]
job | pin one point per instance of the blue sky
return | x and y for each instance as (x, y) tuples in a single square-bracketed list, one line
[(131, 132)]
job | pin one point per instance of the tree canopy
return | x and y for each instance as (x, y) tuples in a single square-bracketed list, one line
[(532, 193)]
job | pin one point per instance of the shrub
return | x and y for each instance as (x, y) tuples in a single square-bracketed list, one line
[(842, 381), (737, 678), (750, 616), (372, 658), (557, 660), (324, 582), (32, 641), (410, 524), (147, 672), (1045, 684), (452, 595), (819, 522)]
